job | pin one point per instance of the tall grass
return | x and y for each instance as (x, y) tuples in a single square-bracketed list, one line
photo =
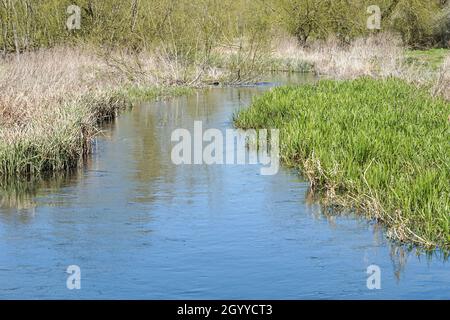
[(441, 86), (380, 147), (51, 104), (379, 56), (57, 138)]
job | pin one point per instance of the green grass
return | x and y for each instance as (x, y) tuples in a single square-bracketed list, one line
[(378, 147), (432, 58)]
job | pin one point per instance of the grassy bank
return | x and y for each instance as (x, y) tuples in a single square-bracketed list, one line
[(377, 146), (52, 103), (51, 100), (58, 137), (378, 56)]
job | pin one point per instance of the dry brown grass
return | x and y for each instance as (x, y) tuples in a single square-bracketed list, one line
[(37, 84), (34, 84), (442, 83), (50, 102), (160, 68), (378, 56)]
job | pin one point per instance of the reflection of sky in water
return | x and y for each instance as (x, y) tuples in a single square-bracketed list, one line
[(140, 227)]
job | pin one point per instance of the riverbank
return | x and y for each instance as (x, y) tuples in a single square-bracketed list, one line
[(378, 56), (52, 100), (378, 147)]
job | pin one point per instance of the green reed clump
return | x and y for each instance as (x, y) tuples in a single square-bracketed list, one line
[(379, 147), (58, 137)]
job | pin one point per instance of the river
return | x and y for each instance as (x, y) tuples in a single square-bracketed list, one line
[(140, 227)]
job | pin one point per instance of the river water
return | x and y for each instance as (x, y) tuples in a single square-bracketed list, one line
[(141, 227)]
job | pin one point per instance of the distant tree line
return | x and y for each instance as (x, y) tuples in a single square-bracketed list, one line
[(421, 23), (189, 26)]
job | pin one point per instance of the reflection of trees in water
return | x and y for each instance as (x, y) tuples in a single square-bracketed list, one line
[(20, 194), (399, 257), (152, 125), (208, 102), (17, 194), (400, 253), (146, 147)]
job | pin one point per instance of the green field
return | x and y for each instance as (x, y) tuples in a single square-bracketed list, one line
[(432, 58)]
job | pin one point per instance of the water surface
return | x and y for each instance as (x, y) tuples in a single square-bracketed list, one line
[(140, 227)]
